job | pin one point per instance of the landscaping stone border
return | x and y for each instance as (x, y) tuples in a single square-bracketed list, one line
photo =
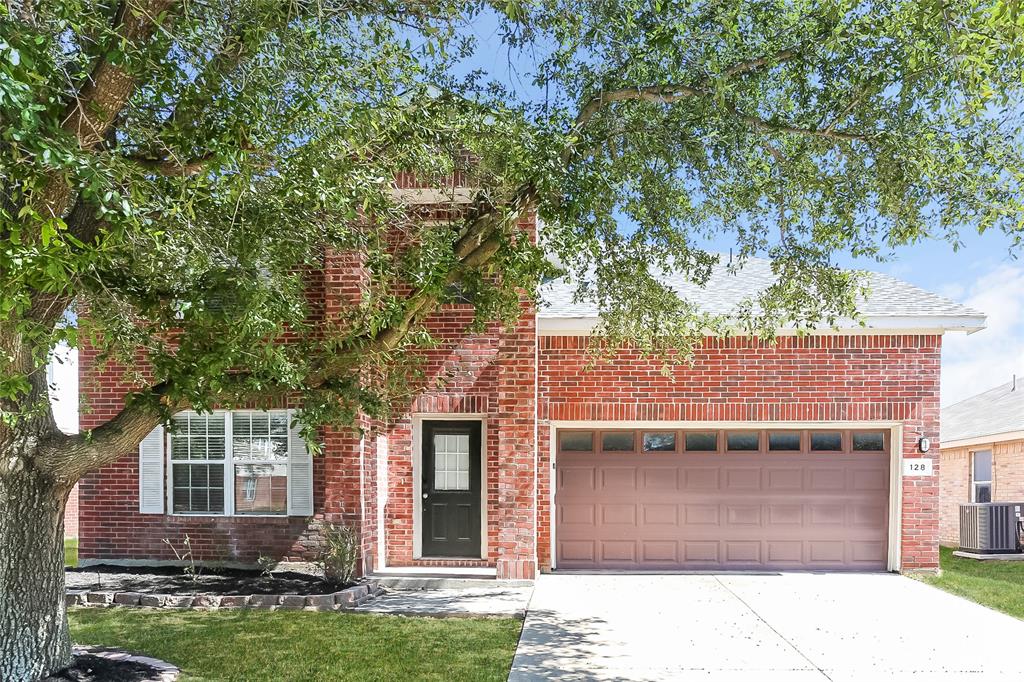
[(164, 671), (346, 599)]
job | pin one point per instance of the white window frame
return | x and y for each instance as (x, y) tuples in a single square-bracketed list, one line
[(229, 468), (991, 475)]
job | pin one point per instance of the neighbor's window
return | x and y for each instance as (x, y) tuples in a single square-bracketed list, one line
[(981, 476), (249, 469)]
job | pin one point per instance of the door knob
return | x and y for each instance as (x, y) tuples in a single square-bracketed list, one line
[(424, 496)]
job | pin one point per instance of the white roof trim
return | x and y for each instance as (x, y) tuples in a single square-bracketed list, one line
[(917, 324), (987, 439)]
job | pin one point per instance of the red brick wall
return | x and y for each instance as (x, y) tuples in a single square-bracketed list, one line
[(491, 374), (812, 378)]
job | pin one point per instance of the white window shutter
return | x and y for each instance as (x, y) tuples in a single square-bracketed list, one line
[(151, 472), (300, 474)]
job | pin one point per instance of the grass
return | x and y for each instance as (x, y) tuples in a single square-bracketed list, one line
[(70, 551), (997, 584), (300, 645)]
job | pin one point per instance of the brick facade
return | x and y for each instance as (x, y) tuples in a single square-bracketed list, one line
[(518, 383), (955, 481), (810, 378), (490, 375)]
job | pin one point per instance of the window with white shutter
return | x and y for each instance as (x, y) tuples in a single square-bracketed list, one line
[(241, 463)]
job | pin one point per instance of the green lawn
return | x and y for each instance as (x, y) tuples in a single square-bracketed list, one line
[(998, 584), (299, 645), (70, 551)]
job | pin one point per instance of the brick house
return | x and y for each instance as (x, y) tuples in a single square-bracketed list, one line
[(982, 453), (785, 455)]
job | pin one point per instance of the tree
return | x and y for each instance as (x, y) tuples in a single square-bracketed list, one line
[(173, 171)]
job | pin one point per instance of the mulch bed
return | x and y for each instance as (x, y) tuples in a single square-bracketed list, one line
[(104, 664), (90, 668), (212, 581)]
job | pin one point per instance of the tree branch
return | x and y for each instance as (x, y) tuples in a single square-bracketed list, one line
[(676, 92), (172, 167), (90, 115), (669, 94), (69, 457)]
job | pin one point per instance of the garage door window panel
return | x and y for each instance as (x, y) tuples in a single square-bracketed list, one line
[(701, 441), (576, 441), (618, 441), (743, 441), (785, 441), (826, 441), (868, 441), (659, 441)]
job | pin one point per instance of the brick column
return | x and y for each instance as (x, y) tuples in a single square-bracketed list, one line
[(514, 514)]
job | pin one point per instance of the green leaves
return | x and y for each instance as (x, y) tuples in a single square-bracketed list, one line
[(255, 154)]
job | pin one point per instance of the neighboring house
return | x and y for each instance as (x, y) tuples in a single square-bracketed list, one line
[(758, 456), (982, 453)]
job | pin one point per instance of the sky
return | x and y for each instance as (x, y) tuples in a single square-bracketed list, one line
[(982, 274)]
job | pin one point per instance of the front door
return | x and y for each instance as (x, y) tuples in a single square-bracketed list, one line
[(451, 489)]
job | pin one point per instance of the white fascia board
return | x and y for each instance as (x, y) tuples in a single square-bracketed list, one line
[(987, 439), (915, 324)]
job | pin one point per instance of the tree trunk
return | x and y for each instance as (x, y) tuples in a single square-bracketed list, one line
[(34, 639)]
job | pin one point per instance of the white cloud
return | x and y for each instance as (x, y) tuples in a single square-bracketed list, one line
[(975, 363)]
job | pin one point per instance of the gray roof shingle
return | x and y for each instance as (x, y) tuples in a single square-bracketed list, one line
[(998, 410), (888, 297)]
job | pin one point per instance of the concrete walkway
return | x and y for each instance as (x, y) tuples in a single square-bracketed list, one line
[(496, 601), (760, 628)]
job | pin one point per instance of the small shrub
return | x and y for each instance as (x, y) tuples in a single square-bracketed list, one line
[(339, 557), (185, 555), (266, 565)]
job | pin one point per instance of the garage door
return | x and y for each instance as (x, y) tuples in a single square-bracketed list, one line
[(717, 499)]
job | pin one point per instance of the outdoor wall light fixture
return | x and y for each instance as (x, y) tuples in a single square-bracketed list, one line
[(924, 444)]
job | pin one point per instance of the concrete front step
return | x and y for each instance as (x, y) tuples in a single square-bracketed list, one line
[(435, 578)]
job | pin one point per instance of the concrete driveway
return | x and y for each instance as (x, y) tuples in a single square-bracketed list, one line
[(759, 628)]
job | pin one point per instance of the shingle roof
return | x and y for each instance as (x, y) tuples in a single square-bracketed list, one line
[(888, 297), (998, 410)]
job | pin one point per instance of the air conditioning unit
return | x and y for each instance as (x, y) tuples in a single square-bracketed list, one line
[(990, 527)]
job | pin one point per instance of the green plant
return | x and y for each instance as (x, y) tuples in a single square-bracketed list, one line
[(191, 569), (340, 553), (266, 565)]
